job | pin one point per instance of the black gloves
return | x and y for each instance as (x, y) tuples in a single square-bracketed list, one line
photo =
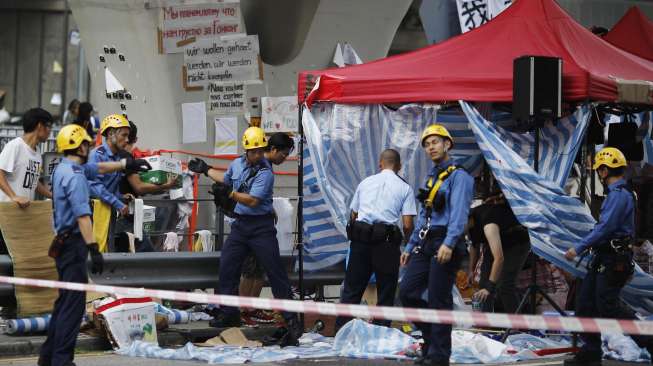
[(221, 190), (96, 258), (198, 165), (137, 165), (221, 193)]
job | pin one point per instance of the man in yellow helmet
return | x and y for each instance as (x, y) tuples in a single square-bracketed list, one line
[(106, 187), (74, 238), (611, 265), (436, 247), (249, 181)]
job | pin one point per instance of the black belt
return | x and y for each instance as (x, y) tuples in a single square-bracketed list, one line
[(377, 233)]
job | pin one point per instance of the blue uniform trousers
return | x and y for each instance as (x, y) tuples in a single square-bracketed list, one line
[(422, 272), (59, 347), (599, 297), (257, 235), (361, 265)]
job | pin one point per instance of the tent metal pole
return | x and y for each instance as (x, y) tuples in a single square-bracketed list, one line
[(300, 208)]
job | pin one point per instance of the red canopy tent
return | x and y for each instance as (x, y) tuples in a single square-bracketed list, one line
[(477, 66), (633, 33)]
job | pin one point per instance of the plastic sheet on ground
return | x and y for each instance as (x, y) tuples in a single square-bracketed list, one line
[(468, 347), (623, 348), (360, 339), (525, 344), (311, 346)]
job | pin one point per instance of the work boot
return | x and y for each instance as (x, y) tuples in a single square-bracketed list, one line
[(225, 321), (423, 359), (286, 336), (584, 358)]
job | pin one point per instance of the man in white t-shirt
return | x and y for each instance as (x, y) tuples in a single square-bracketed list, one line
[(21, 162)]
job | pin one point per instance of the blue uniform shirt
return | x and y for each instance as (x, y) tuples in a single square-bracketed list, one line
[(106, 186), (617, 219), (70, 194), (383, 198), (260, 186), (458, 189)]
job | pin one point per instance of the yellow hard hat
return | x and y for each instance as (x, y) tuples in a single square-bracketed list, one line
[(70, 137), (113, 121), (609, 156), (254, 138), (438, 130)]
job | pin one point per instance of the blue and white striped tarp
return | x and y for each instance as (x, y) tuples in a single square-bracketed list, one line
[(343, 147), (554, 220), (344, 143), (28, 325)]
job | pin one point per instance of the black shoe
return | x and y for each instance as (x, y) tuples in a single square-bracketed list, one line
[(225, 321), (286, 336), (584, 358), (438, 363), (421, 360), (44, 361)]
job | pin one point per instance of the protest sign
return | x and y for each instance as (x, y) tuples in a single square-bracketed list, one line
[(226, 98), (225, 135), (225, 60), (279, 114), (180, 25)]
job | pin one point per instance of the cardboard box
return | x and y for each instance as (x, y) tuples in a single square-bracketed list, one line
[(162, 168), (129, 319)]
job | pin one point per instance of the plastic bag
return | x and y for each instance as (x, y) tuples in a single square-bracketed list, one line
[(361, 339)]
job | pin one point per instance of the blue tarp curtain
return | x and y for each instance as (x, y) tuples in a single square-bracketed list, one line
[(344, 142)]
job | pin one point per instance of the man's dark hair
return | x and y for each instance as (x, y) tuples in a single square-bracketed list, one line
[(33, 117), (84, 115), (391, 156), (280, 141), (133, 133), (616, 172), (72, 104)]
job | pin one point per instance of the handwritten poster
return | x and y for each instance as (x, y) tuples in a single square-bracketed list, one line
[(279, 114), (226, 98), (226, 135), (225, 60), (180, 24)]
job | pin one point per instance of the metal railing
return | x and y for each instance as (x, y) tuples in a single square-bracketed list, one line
[(175, 271)]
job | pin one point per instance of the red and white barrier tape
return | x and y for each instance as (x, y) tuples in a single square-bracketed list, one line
[(458, 318)]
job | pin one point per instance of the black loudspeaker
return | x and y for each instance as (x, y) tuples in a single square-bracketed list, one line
[(536, 89), (623, 137)]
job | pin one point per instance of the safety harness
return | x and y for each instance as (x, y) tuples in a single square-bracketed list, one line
[(433, 200)]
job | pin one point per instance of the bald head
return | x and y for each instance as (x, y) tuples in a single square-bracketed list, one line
[(390, 159)]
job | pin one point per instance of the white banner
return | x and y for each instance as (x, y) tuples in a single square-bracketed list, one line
[(226, 98), (202, 21), (474, 13), (279, 114), (225, 60), (495, 7), (226, 131)]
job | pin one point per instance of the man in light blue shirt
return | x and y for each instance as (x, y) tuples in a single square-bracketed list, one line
[(248, 181), (379, 203), (115, 128), (74, 240), (611, 264), (435, 249)]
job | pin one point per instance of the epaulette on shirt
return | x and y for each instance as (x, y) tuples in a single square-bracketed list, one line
[(101, 150), (77, 169)]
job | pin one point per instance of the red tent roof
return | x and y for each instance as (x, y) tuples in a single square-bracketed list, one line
[(633, 33), (477, 66)]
